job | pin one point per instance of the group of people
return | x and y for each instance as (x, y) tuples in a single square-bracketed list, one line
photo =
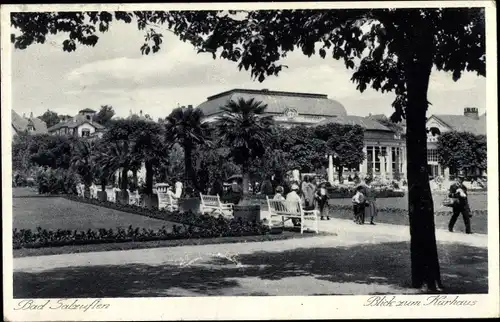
[(314, 196), (309, 195)]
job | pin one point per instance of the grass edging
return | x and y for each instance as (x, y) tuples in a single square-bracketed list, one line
[(74, 249)]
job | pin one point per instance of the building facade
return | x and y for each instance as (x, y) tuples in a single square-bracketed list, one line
[(82, 125), (384, 148), (470, 121)]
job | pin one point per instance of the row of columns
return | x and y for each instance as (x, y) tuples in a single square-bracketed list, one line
[(383, 160)]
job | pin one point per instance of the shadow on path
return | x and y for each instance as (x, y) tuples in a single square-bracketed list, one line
[(464, 270)]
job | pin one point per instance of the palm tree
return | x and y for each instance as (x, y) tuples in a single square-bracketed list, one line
[(81, 163), (185, 126), (148, 147), (115, 156), (245, 130)]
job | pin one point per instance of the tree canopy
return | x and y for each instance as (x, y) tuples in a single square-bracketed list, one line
[(462, 151), (104, 115), (375, 43)]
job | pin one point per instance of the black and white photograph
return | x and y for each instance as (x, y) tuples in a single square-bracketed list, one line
[(250, 152)]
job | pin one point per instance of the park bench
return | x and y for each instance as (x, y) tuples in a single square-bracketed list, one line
[(288, 210), (215, 205), (165, 200)]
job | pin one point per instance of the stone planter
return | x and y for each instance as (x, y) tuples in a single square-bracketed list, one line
[(122, 197), (247, 212), (102, 196), (190, 204), (151, 201)]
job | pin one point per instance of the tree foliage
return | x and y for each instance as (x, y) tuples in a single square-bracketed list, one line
[(345, 142), (462, 151), (185, 126), (246, 131), (104, 115)]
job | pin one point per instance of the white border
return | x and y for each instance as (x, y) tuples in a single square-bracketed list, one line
[(279, 307)]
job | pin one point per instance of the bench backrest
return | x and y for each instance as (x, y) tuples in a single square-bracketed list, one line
[(283, 207), (210, 201)]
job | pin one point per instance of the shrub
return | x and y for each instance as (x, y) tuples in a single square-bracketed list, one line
[(56, 181)]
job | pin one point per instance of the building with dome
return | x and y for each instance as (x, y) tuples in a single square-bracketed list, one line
[(385, 147), (288, 108)]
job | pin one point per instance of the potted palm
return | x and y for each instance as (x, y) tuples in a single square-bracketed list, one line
[(246, 131), (185, 127), (81, 163)]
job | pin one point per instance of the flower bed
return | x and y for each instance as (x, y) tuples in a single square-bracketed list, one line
[(26, 238)]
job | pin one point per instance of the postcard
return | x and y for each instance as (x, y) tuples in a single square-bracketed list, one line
[(214, 161)]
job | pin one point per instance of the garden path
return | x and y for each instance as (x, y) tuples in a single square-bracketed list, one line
[(359, 260)]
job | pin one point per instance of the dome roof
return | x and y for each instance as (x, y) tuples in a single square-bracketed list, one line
[(278, 102)]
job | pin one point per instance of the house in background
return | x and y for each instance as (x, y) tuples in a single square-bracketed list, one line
[(470, 121), (81, 125), (23, 124)]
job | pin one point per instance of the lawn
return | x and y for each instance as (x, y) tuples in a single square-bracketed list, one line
[(54, 213)]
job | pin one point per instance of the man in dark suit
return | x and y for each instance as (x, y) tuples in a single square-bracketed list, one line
[(461, 206)]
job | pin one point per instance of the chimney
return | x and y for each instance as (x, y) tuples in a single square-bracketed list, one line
[(140, 113), (31, 115), (471, 112)]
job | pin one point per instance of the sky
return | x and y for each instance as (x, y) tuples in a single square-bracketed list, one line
[(115, 73)]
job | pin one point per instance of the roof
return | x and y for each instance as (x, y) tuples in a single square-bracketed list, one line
[(87, 110), (18, 122), (277, 102), (462, 123), (365, 122), (72, 124), (21, 123)]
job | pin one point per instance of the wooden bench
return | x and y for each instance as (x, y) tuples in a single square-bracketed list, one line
[(288, 210), (215, 205)]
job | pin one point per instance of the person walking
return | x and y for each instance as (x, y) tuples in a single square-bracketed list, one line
[(308, 191), (458, 191), (371, 204), (359, 202), (322, 202)]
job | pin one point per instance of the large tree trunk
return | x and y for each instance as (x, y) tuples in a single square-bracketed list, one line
[(424, 257)]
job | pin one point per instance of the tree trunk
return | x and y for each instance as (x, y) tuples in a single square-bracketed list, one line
[(86, 191), (136, 180), (341, 171), (188, 167), (149, 178), (424, 257), (124, 181), (246, 179)]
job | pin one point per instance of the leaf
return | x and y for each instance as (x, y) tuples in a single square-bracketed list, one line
[(322, 53)]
